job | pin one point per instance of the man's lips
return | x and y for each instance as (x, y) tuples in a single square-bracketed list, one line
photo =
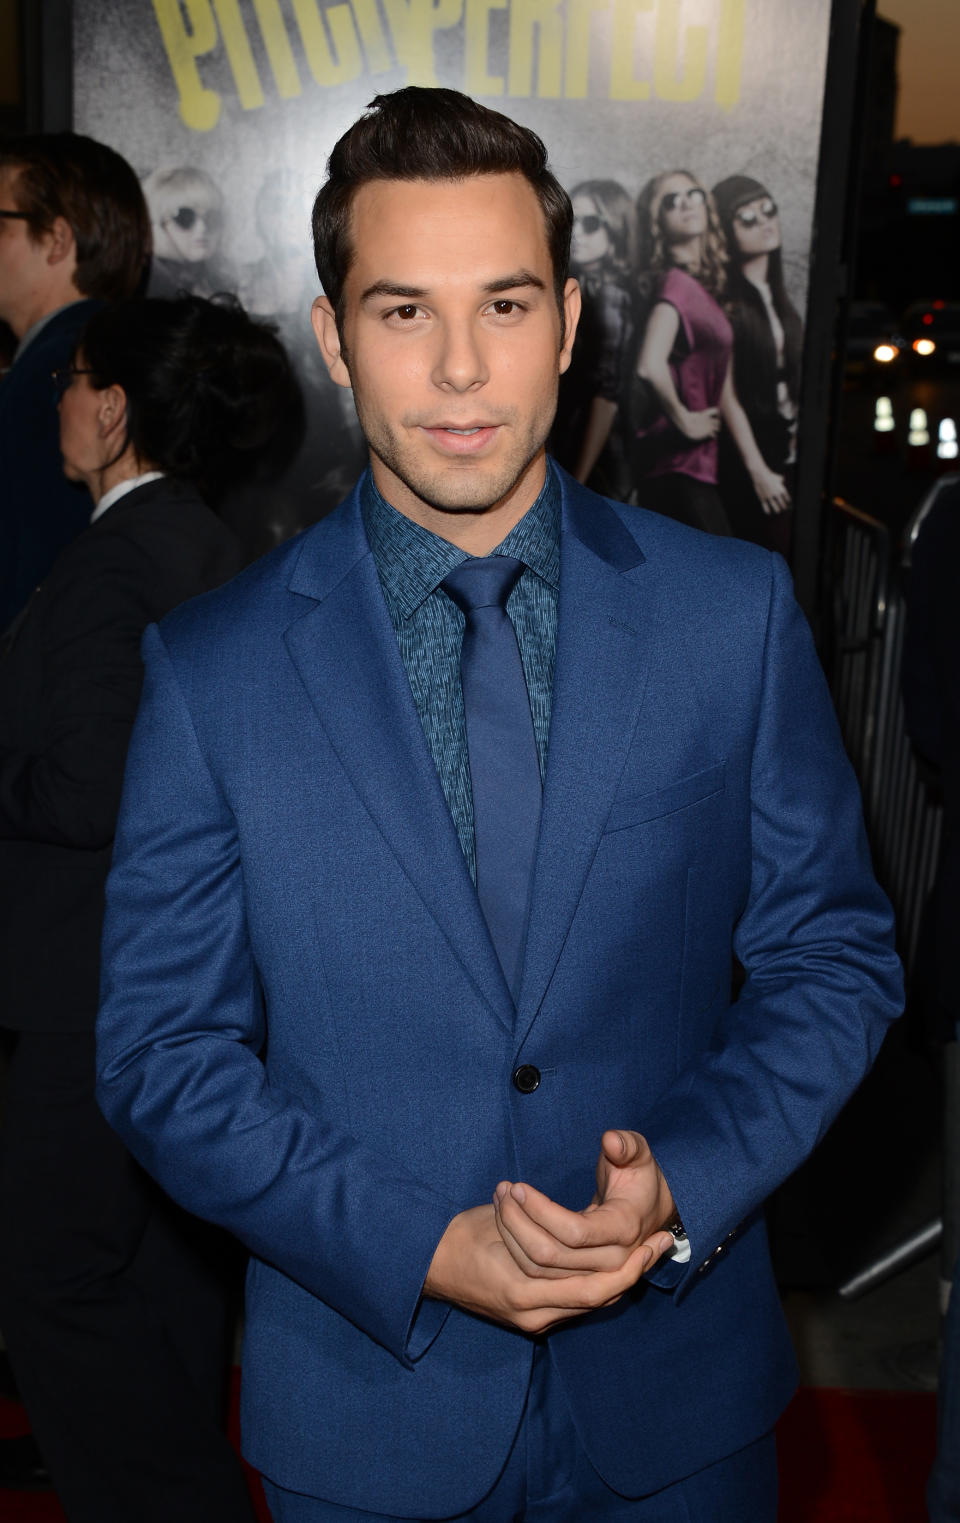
[(460, 438)]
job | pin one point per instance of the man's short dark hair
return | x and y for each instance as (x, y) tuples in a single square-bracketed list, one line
[(62, 174), (422, 134)]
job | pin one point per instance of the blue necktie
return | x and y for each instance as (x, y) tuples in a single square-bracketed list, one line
[(504, 768)]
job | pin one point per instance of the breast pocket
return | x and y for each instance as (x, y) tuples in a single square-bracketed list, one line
[(664, 801)]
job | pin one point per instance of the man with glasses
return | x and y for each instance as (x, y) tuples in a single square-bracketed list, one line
[(74, 231)]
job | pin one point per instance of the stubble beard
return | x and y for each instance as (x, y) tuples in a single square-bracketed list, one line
[(454, 488)]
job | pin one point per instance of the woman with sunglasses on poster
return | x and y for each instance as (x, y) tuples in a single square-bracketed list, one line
[(603, 259), (186, 211), (111, 1299), (767, 349), (685, 362)]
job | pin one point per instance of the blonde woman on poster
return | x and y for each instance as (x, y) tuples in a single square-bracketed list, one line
[(685, 361), (186, 211)]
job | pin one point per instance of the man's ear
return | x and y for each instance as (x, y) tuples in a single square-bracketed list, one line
[(60, 242), (571, 316), (325, 327)]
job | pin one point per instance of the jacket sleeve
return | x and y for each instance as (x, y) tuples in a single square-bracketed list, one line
[(823, 980), (180, 1030), (65, 791)]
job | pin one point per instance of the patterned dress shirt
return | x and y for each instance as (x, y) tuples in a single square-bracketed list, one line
[(411, 563)]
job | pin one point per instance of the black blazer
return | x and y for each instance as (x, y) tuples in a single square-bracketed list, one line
[(70, 676)]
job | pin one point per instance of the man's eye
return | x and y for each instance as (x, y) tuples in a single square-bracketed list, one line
[(505, 307), (406, 312)]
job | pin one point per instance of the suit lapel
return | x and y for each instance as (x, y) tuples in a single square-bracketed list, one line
[(346, 653), (607, 619)]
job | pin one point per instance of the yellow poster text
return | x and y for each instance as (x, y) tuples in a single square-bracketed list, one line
[(624, 50)]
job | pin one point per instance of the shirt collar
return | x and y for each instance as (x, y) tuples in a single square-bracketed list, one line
[(412, 562), (120, 490)]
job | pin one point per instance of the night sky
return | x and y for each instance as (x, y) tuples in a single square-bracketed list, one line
[(929, 105)]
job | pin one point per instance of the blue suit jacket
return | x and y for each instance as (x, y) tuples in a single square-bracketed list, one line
[(306, 1035)]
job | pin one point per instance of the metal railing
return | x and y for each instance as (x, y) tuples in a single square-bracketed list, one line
[(864, 655), (858, 557), (864, 658)]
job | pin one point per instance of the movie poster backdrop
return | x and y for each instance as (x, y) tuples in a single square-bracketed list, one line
[(686, 131)]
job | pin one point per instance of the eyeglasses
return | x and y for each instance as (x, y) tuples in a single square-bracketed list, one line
[(186, 216), (591, 223), (63, 378), (767, 210), (695, 196), (15, 216)]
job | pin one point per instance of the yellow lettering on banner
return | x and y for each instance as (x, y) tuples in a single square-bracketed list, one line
[(235, 39), (623, 51), (199, 107), (372, 36), (477, 48), (277, 44), (730, 52), (577, 64), (525, 15), (689, 82), (427, 17), (329, 65), (398, 19), (413, 23)]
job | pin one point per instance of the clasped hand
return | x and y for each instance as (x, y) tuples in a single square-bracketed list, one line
[(530, 1263)]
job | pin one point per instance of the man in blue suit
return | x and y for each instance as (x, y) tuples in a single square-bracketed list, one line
[(350, 994)]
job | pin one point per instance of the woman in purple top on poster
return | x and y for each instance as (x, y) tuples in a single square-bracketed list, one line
[(685, 361)]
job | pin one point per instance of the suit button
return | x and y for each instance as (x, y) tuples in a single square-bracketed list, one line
[(526, 1078)]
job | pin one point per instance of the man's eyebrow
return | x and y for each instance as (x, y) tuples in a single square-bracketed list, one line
[(390, 288), (516, 280)]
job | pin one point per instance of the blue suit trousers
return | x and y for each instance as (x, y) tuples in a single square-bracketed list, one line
[(548, 1479)]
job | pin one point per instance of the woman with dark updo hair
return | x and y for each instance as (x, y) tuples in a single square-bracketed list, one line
[(194, 391), (112, 1299)]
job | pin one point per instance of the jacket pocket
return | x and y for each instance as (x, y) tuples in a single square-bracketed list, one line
[(679, 795)]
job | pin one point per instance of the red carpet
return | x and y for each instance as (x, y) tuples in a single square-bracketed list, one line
[(845, 1457), (855, 1456)]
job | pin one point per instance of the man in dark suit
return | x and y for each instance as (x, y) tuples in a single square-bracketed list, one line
[(74, 230), (441, 826)]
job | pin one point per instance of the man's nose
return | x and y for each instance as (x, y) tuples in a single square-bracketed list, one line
[(461, 363)]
